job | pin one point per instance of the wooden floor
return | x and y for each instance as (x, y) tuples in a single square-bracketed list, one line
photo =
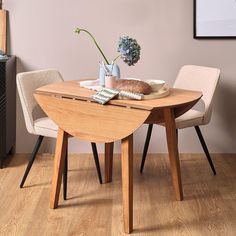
[(209, 207)]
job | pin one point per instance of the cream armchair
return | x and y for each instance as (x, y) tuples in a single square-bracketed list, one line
[(198, 78), (37, 123)]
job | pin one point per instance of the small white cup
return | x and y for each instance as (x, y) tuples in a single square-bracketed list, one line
[(155, 84)]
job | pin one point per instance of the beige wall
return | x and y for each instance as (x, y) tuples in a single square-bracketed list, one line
[(41, 36)]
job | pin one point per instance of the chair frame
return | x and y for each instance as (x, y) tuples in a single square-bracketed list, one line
[(184, 73), (201, 139), (29, 121), (65, 171)]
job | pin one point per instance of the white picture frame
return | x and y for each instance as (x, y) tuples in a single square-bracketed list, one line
[(214, 18)]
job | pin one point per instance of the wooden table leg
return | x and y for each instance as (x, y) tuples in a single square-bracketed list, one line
[(59, 159), (127, 182), (173, 152), (108, 161)]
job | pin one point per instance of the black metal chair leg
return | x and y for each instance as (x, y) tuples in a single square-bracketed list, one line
[(65, 175), (204, 146), (145, 149), (95, 155), (31, 160), (177, 135)]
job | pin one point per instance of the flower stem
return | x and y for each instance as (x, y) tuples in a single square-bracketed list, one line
[(117, 57), (100, 50)]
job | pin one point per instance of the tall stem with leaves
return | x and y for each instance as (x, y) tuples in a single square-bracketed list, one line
[(78, 30)]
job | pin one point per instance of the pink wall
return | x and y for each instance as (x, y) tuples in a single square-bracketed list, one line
[(41, 36)]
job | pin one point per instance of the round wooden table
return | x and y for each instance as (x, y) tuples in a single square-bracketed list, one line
[(72, 109)]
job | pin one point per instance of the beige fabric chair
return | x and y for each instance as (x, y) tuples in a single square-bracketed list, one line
[(198, 78), (36, 121)]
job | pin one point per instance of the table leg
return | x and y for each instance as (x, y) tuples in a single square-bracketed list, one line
[(173, 152), (108, 161), (127, 182), (59, 160)]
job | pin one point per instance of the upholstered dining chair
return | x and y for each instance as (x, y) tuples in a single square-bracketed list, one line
[(37, 122), (198, 78)]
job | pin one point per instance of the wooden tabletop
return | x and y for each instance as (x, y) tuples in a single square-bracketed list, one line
[(70, 107), (72, 90)]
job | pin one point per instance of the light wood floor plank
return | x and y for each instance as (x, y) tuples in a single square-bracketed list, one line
[(209, 206)]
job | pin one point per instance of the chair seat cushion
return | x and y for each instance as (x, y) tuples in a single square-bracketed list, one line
[(189, 119), (46, 127)]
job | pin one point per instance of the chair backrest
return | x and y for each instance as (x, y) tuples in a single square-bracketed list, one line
[(27, 82), (202, 79)]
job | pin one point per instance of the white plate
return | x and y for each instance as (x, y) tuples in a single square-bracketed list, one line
[(132, 79)]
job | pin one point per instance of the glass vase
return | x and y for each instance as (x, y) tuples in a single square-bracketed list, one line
[(115, 71)]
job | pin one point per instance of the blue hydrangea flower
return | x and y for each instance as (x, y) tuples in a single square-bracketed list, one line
[(129, 49)]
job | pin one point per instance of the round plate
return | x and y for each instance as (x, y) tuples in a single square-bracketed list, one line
[(165, 91)]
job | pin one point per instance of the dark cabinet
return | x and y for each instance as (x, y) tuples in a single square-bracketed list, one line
[(7, 107)]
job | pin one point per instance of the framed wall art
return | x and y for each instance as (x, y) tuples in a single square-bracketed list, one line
[(214, 18)]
